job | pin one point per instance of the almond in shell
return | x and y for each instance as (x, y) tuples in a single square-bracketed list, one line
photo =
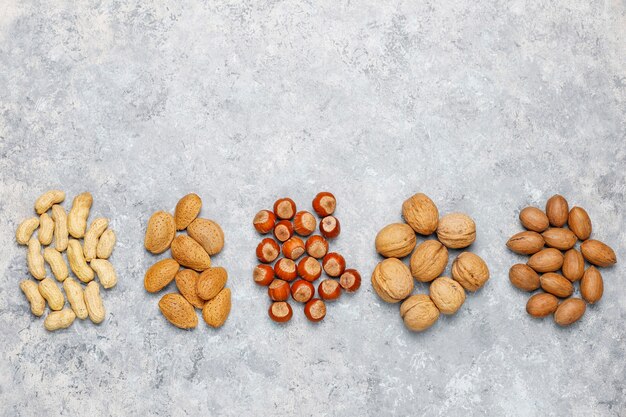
[(178, 311), (598, 253), (211, 282), (524, 277), (556, 284), (187, 284), (573, 265), (569, 311), (534, 219), (187, 252), (429, 260), (579, 223), (541, 305), (159, 275), (216, 311), (562, 239), (546, 260), (557, 210), (526, 243), (591, 286), (187, 209), (160, 232), (208, 234)]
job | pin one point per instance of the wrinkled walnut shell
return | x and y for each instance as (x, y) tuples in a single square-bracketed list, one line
[(447, 294), (421, 214), (429, 260), (419, 312), (395, 240), (392, 280), (470, 271), (456, 230)]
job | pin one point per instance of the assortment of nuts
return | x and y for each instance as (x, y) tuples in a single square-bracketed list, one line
[(552, 248), (59, 232), (301, 258), (393, 280), (200, 285)]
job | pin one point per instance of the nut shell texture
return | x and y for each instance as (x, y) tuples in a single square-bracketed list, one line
[(456, 230), (187, 209), (470, 271), (392, 280), (208, 234), (447, 294), (160, 232), (429, 260), (395, 240), (421, 214), (419, 312)]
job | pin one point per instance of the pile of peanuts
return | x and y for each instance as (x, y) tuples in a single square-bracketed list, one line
[(284, 221), (86, 261)]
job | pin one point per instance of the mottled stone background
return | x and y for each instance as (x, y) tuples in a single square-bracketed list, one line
[(485, 106)]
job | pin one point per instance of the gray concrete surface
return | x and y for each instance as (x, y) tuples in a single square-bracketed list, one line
[(485, 106)]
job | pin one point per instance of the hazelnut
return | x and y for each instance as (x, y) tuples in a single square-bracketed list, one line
[(392, 280), (309, 269), (283, 230), (429, 260), (419, 312), (285, 208), (280, 312), (350, 280), (456, 230), (395, 240), (302, 291), (447, 294), (304, 223), (293, 248), (278, 290), (264, 221), (285, 269), (329, 227), (470, 271), (315, 310), (324, 204), (421, 214), (333, 264), (316, 246), (267, 251), (329, 289), (263, 275)]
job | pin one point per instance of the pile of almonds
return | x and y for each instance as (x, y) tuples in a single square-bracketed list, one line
[(548, 229), (283, 221), (393, 280), (58, 233), (199, 284)]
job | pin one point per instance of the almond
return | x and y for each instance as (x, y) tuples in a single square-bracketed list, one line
[(187, 209), (524, 277), (591, 286), (187, 284), (421, 214), (534, 219), (579, 223), (215, 312), (189, 253), (556, 284), (429, 260), (557, 210), (456, 230), (547, 260), (211, 282), (160, 274), (573, 265), (160, 232), (178, 311), (562, 239), (208, 234), (598, 253), (542, 305), (526, 243), (570, 311)]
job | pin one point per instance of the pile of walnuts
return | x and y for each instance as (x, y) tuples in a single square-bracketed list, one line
[(393, 280)]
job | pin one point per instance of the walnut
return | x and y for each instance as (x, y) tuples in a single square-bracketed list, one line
[(392, 280), (447, 294), (456, 230), (419, 312), (421, 214), (470, 271)]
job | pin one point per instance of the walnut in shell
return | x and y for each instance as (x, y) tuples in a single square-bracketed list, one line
[(419, 312), (470, 271), (392, 280), (447, 294), (456, 230)]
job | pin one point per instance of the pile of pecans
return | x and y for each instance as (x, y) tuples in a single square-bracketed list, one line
[(285, 222), (548, 229)]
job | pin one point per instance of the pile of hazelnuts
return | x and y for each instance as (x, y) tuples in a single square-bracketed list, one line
[(305, 257)]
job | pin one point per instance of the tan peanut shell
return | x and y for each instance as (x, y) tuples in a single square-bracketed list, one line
[(187, 284), (46, 229), (52, 294), (216, 311), (421, 214), (60, 228), (419, 312), (591, 285), (469, 270), (178, 311), (57, 320), (579, 223), (189, 253), (573, 265), (526, 243), (429, 260), (598, 253), (26, 229), (187, 209), (106, 243), (534, 219), (93, 301), (54, 258), (77, 261), (208, 234), (557, 210), (76, 297), (31, 291), (77, 218), (35, 260), (211, 281), (569, 311), (105, 271), (160, 232), (159, 275), (395, 240), (392, 280), (48, 199), (90, 244), (447, 294)]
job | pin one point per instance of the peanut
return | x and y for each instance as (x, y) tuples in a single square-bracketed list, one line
[(35, 260), (56, 262), (48, 199), (59, 320), (60, 227), (97, 227), (105, 244), (95, 308), (37, 303), (46, 229), (105, 271), (76, 297), (77, 219), (77, 261), (26, 229), (53, 295)]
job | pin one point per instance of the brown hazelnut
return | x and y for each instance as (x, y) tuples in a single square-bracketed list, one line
[(268, 250), (304, 223), (421, 214), (285, 208), (392, 280), (309, 269), (447, 294), (329, 227), (419, 312), (470, 271), (283, 230), (334, 264), (285, 269), (429, 260), (316, 246), (280, 312), (264, 221), (395, 240), (263, 275), (456, 230), (293, 248), (324, 204), (278, 290), (302, 291), (350, 280), (329, 289), (315, 310)]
